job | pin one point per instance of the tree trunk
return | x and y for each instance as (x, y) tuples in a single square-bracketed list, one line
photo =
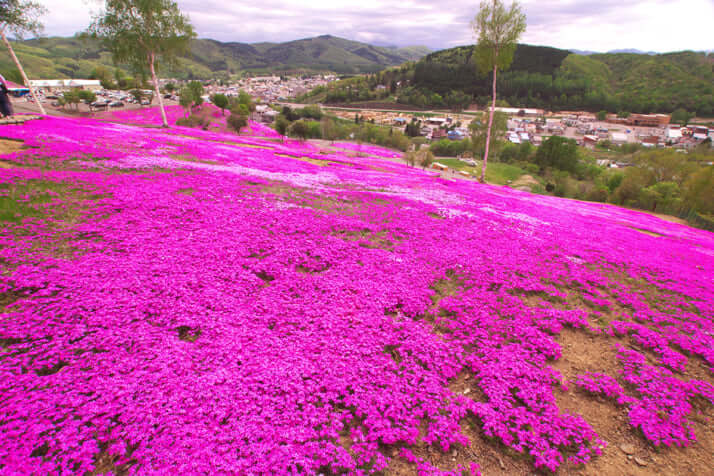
[(22, 72), (155, 80), (490, 124)]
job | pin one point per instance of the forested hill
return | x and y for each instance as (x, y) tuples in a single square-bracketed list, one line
[(558, 79), (76, 57), (554, 79)]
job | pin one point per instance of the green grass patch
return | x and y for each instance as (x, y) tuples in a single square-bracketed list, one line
[(497, 172), (28, 199)]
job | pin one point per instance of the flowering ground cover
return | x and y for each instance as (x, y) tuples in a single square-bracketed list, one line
[(195, 301), (215, 117)]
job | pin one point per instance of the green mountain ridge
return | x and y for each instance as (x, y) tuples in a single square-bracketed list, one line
[(549, 78), (553, 78), (58, 57)]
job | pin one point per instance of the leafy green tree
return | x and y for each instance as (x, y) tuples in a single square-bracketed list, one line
[(426, 158), (170, 88), (480, 135), (300, 129), (240, 110), (558, 153), (498, 29), (410, 158), (281, 125), (328, 129), (458, 100), (186, 99), (698, 190), (87, 96), (20, 17), (197, 92), (247, 100), (601, 116), (104, 76), (681, 116), (237, 122), (142, 33), (137, 94), (220, 101), (71, 97)]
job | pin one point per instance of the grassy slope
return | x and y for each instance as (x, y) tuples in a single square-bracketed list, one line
[(496, 172)]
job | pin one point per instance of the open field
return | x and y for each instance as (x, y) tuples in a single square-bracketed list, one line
[(188, 301)]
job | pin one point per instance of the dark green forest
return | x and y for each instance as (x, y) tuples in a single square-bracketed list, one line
[(548, 78)]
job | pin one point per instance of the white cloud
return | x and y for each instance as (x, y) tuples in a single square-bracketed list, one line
[(657, 25)]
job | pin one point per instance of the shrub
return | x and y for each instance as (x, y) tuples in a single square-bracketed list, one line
[(193, 121), (300, 129), (237, 122)]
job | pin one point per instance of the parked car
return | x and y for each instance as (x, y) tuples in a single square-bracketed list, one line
[(116, 104), (145, 102), (100, 103)]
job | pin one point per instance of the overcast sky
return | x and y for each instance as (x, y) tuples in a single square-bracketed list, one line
[(603, 25)]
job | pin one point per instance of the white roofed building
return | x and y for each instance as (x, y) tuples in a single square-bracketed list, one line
[(46, 84)]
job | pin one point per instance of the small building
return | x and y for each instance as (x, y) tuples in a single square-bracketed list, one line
[(439, 166), (590, 141), (673, 133), (268, 117), (650, 141), (618, 138), (65, 84), (436, 121), (648, 120), (519, 111)]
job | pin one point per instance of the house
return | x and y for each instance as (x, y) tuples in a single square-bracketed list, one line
[(268, 117), (590, 141), (702, 130), (650, 141), (618, 138), (436, 121), (673, 133), (648, 120), (439, 166)]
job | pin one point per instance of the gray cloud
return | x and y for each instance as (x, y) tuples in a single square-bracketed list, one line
[(660, 25)]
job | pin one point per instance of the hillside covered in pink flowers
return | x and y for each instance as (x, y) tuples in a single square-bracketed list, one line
[(199, 302)]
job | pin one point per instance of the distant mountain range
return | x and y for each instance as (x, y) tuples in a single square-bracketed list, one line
[(76, 57), (627, 50)]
